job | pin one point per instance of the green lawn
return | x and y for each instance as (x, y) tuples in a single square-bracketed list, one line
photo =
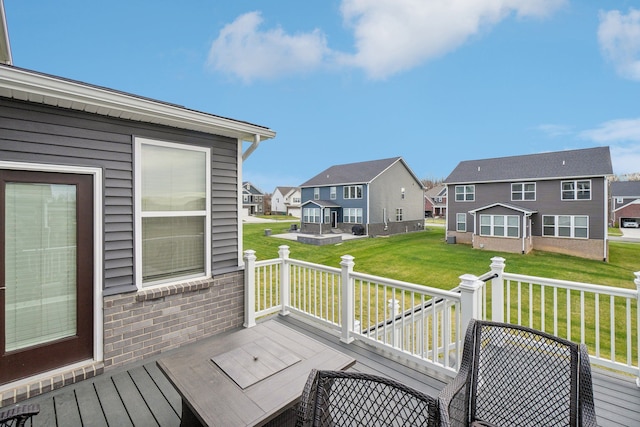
[(425, 258)]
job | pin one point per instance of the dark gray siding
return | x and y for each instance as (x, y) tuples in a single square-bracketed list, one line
[(548, 202), (39, 134)]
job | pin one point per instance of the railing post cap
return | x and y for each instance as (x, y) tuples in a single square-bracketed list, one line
[(637, 280), (469, 281), (497, 260), (283, 247), (346, 259), (249, 252)]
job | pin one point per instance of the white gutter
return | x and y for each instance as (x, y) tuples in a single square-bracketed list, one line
[(27, 85), (606, 218)]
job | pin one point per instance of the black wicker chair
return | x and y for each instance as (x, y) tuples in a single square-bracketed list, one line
[(514, 375), (338, 398), (18, 415)]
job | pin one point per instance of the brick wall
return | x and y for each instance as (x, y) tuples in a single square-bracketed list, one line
[(138, 325)]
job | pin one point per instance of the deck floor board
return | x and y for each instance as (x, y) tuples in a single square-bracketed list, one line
[(141, 395)]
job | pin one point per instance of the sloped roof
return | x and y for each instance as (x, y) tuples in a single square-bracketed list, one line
[(41, 88), (438, 190), (322, 203), (586, 162), (285, 190), (504, 205), (354, 173), (625, 189)]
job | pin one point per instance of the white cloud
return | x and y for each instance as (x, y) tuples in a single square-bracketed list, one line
[(242, 49), (390, 36), (619, 38), (395, 35), (623, 136), (626, 160), (553, 130), (620, 130)]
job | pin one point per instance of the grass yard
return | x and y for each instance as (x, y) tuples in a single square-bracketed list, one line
[(425, 258)]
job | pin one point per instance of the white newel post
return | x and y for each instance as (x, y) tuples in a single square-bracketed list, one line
[(347, 309), (637, 282), (471, 304), (497, 289), (285, 278), (249, 288)]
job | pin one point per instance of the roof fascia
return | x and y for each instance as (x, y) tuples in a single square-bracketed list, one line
[(557, 178), (44, 89), (493, 205)]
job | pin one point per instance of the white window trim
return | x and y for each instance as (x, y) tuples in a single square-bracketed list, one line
[(138, 211), (461, 222), (575, 190), (353, 213), (464, 193), (346, 191), (333, 193), (314, 210), (572, 226), (505, 226), (316, 193), (399, 214), (98, 268), (523, 192)]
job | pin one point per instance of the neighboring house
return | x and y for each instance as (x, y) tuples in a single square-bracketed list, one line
[(252, 199), (286, 201), (381, 197), (435, 201), (121, 232), (625, 202), (554, 202)]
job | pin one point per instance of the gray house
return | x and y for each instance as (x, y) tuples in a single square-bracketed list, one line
[(625, 203), (121, 234), (553, 202), (252, 199), (379, 197)]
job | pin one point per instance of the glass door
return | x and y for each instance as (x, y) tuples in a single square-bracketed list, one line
[(46, 294)]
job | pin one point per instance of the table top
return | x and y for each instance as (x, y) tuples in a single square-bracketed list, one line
[(250, 376)]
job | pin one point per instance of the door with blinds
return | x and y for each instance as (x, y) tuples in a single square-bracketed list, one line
[(46, 293)]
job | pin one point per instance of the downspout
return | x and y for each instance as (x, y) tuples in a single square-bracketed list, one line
[(252, 147), (473, 233), (526, 226), (606, 218), (241, 158), (367, 222)]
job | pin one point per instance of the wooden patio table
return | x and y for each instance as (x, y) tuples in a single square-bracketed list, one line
[(248, 377)]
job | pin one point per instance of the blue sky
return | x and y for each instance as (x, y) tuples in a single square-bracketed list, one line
[(341, 81)]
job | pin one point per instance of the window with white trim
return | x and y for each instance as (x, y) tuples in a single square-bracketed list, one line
[(332, 193), (465, 193), (311, 215), (500, 225), (399, 214), (173, 211), (523, 191), (571, 226), (352, 192), (316, 193), (461, 222), (352, 215), (576, 190)]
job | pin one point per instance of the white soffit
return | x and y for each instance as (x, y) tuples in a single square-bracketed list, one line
[(40, 88)]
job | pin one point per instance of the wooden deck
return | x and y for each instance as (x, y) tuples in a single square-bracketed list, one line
[(140, 395)]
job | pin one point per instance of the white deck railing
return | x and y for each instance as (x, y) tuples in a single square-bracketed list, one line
[(423, 323)]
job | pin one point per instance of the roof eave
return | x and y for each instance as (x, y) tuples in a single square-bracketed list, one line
[(44, 89)]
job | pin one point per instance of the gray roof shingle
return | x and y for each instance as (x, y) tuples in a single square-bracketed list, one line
[(558, 164), (625, 189), (352, 173)]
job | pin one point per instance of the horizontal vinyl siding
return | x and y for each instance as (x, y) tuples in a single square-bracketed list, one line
[(39, 134)]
